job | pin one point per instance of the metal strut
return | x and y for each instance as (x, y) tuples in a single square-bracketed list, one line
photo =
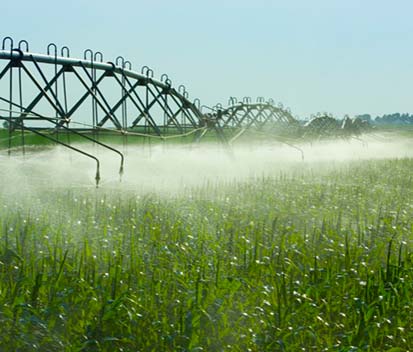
[(51, 120), (33, 130)]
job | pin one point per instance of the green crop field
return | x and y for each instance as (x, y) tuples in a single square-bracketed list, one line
[(311, 257)]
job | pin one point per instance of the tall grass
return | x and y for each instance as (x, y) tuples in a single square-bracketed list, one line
[(306, 260)]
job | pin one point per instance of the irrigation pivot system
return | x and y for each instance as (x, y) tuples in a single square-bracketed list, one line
[(53, 93), (110, 92)]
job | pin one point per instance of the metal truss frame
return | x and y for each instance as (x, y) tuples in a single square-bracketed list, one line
[(260, 115), (180, 114)]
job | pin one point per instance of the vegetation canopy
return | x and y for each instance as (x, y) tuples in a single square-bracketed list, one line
[(310, 256)]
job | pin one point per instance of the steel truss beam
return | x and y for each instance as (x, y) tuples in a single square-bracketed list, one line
[(179, 114), (255, 115)]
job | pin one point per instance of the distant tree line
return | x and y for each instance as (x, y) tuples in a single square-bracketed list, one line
[(386, 119)]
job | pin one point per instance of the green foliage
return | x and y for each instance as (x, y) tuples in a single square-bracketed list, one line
[(305, 261)]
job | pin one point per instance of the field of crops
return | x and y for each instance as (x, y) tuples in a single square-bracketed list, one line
[(310, 256)]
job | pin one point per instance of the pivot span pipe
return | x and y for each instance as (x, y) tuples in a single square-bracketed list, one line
[(17, 54)]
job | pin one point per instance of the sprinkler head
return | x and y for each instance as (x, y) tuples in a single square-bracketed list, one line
[(97, 178), (120, 173)]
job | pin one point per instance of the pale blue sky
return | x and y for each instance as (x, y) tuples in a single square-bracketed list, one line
[(344, 57)]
